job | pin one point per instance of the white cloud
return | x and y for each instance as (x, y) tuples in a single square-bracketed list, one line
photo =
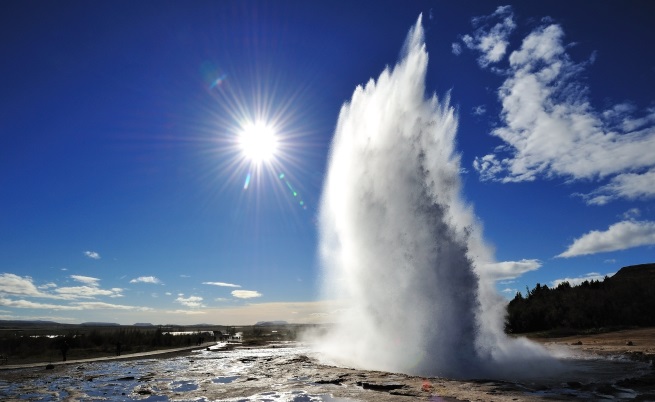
[(246, 294), (619, 236), (509, 269), (47, 286), (491, 40), (229, 285), (550, 128), (11, 284), (509, 290), (91, 281), (17, 285), (591, 276), (191, 301), (457, 49), (92, 255), (146, 279)]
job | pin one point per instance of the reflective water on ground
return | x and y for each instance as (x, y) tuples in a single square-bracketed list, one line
[(289, 373)]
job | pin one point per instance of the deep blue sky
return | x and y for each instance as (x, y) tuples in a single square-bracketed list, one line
[(122, 192)]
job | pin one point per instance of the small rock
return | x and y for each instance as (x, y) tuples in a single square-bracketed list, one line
[(335, 381), (629, 343), (388, 386), (577, 343), (50, 366), (405, 392)]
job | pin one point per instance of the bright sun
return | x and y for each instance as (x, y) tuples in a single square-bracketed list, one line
[(258, 142)]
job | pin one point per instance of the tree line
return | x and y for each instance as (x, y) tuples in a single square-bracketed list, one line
[(81, 344), (625, 299)]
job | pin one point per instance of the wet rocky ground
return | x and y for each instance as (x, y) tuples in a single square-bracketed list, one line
[(292, 373)]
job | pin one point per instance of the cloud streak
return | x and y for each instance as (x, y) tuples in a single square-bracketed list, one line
[(89, 280), (548, 125), (75, 306), (224, 284), (619, 236)]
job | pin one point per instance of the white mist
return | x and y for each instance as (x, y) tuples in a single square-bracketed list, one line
[(400, 248)]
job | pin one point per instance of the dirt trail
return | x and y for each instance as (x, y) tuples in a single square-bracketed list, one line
[(632, 342), (126, 356)]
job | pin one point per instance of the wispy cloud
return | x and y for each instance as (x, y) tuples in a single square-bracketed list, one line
[(619, 236), (490, 37), (229, 285), (92, 254), (479, 110), (548, 124), (146, 279), (86, 292), (456, 48), (246, 294), (191, 301), (591, 276)]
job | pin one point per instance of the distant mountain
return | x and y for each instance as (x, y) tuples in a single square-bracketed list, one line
[(100, 324), (142, 324), (643, 272), (625, 299), (270, 323)]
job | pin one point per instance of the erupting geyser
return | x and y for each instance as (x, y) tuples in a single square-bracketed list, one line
[(400, 249)]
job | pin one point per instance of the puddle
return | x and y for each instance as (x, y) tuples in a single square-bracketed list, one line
[(184, 386), (225, 380)]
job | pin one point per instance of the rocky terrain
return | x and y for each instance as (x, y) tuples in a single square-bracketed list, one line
[(289, 372)]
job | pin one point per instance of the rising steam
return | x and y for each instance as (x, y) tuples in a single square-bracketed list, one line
[(400, 249)]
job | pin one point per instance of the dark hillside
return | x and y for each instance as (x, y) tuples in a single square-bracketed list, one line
[(625, 299)]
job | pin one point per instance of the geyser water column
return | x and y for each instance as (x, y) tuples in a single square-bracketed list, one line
[(396, 240)]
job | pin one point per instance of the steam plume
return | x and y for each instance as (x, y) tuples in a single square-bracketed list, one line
[(399, 246)]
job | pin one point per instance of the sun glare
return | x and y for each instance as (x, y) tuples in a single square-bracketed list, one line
[(258, 142)]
